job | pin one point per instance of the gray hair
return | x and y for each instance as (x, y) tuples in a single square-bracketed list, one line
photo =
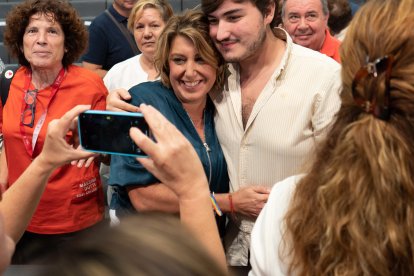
[(324, 3)]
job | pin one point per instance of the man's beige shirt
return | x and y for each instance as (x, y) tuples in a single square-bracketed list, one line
[(292, 114)]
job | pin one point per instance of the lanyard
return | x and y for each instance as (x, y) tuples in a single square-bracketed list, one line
[(30, 145)]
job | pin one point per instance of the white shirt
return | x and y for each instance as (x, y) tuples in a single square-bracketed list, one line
[(292, 113), (125, 74), (267, 243)]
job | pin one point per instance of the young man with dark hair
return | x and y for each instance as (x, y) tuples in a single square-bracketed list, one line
[(278, 102)]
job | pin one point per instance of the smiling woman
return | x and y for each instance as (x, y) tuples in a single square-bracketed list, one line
[(190, 67), (47, 36)]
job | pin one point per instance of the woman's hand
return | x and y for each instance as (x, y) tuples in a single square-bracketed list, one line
[(56, 151), (172, 158), (84, 162), (116, 101)]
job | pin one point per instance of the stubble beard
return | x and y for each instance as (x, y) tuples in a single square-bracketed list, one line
[(251, 49)]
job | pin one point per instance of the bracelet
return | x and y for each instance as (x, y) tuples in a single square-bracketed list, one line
[(215, 205), (232, 212)]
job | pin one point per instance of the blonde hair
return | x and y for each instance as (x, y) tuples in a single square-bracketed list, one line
[(145, 244), (162, 6), (193, 25), (353, 213)]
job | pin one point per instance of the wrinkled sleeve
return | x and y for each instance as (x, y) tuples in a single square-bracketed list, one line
[(327, 104)]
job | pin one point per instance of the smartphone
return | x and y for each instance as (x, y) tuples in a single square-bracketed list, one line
[(108, 132)]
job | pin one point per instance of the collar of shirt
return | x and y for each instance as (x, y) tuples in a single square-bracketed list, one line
[(118, 17)]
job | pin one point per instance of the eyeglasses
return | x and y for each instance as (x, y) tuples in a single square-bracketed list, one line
[(28, 114), (378, 103)]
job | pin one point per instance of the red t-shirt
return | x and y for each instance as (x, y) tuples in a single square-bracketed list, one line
[(73, 198)]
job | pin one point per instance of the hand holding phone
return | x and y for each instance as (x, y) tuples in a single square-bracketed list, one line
[(108, 132)]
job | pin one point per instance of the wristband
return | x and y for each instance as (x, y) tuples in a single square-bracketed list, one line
[(215, 205), (232, 212)]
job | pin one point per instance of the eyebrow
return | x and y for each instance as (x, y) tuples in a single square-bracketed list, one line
[(306, 13), (227, 13)]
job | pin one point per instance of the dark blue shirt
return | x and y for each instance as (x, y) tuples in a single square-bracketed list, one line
[(107, 45), (126, 171)]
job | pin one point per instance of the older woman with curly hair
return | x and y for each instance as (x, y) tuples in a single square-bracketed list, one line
[(47, 36)]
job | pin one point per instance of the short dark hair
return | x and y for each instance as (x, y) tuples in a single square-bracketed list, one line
[(17, 20), (340, 14), (209, 6)]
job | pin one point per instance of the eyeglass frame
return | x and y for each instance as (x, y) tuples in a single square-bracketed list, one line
[(382, 64), (30, 106)]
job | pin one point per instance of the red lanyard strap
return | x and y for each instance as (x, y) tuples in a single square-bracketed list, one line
[(30, 144)]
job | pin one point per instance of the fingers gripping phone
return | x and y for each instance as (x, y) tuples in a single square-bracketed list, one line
[(108, 132)]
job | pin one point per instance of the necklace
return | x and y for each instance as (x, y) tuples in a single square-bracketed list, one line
[(199, 126)]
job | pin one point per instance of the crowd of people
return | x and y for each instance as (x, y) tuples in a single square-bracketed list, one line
[(282, 149)]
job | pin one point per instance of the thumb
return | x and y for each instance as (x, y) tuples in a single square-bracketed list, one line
[(261, 189)]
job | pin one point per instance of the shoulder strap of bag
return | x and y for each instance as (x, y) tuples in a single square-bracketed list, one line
[(125, 32), (5, 81)]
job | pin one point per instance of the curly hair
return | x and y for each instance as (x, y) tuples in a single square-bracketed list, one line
[(353, 213), (193, 25), (17, 20)]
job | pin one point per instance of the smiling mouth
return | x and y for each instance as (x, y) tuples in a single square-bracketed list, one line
[(226, 44), (303, 35), (191, 83)]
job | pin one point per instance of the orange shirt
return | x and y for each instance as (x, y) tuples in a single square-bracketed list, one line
[(331, 46), (73, 198)]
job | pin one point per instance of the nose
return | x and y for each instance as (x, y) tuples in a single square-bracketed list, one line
[(147, 31), (41, 37), (220, 31), (190, 69), (302, 23)]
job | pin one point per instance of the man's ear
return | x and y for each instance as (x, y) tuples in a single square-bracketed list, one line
[(270, 12), (326, 19)]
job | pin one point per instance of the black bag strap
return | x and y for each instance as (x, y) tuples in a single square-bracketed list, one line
[(6, 78), (125, 32)]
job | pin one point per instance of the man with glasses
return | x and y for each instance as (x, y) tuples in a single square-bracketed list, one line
[(306, 21)]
